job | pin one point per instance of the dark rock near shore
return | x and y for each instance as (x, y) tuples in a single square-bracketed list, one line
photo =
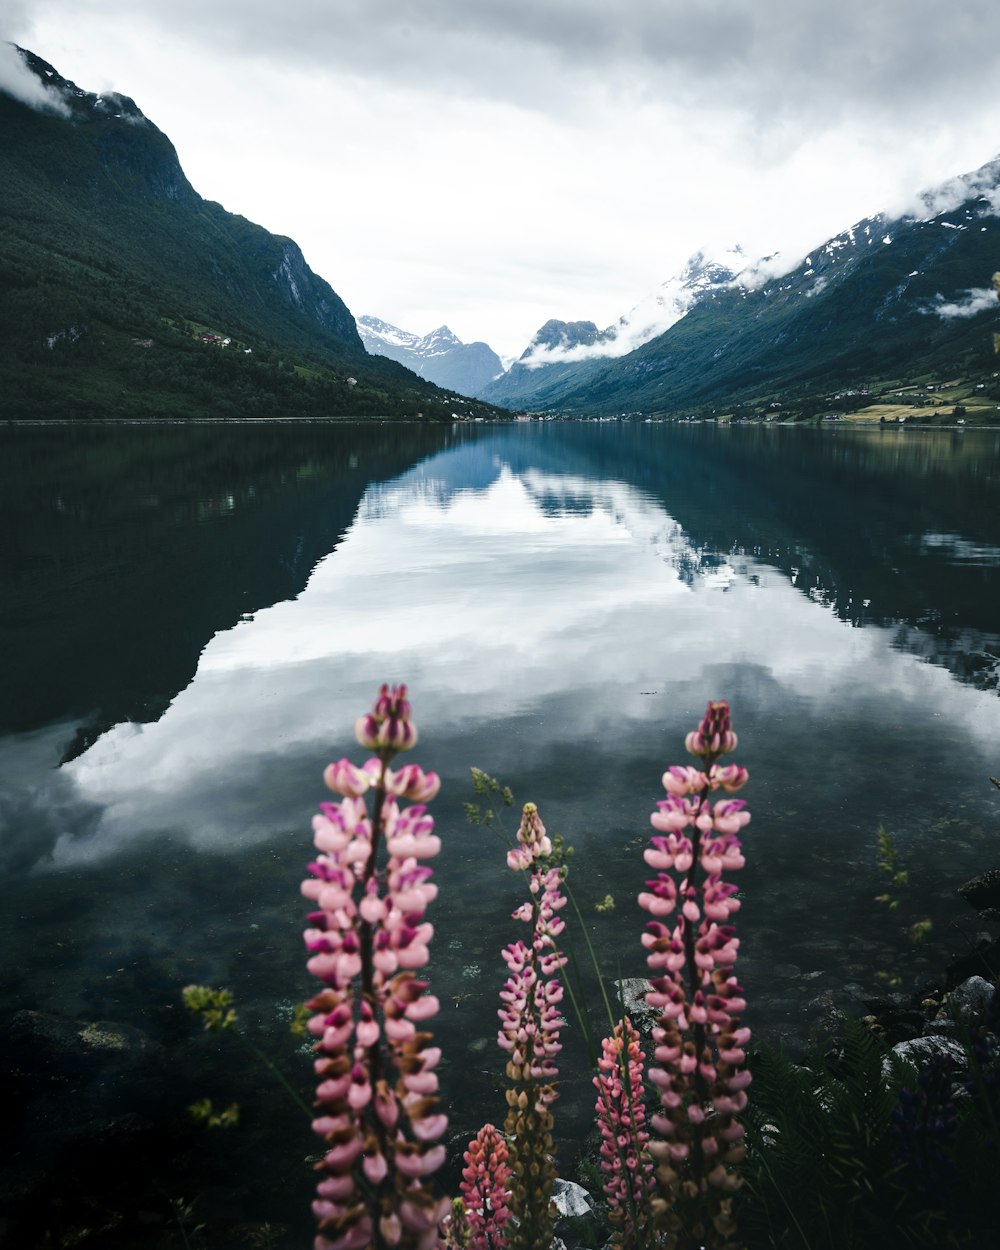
[(983, 893)]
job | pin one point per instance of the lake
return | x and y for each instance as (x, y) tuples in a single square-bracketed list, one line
[(193, 618)]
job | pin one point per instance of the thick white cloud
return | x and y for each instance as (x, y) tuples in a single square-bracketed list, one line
[(491, 165), (889, 54), (974, 301), (18, 81)]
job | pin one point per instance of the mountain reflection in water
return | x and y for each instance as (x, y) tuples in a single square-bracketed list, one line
[(562, 600)]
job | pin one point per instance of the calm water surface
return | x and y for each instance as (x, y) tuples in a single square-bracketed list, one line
[(192, 619)]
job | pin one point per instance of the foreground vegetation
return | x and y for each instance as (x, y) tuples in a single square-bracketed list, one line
[(712, 1148)]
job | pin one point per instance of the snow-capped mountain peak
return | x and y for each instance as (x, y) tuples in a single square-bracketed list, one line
[(704, 274), (440, 356)]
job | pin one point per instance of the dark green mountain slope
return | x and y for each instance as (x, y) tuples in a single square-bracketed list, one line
[(119, 285), (889, 299), (524, 386)]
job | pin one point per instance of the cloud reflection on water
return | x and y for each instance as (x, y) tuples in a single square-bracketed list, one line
[(532, 592)]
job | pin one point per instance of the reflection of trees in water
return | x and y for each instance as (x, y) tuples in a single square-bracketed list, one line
[(893, 528), (128, 547), (854, 518)]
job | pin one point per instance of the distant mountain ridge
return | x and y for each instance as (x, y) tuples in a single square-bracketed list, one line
[(884, 298), (562, 352), (581, 340), (128, 294), (440, 357)]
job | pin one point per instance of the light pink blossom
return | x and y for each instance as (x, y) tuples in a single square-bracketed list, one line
[(376, 1093), (699, 1042)]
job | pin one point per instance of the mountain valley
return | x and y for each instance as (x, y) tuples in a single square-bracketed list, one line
[(126, 294)]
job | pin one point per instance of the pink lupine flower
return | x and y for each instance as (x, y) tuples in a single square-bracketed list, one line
[(485, 1189), (699, 1043), (376, 1097), (714, 735), (531, 1021), (730, 778), (687, 780), (621, 1119), (343, 777), (387, 728), (412, 783)]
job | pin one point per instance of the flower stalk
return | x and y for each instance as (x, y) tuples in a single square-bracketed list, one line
[(376, 1104), (621, 1120), (699, 1039), (530, 1024), (485, 1190)]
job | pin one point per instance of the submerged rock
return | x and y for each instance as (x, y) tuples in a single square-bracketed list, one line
[(78, 1043)]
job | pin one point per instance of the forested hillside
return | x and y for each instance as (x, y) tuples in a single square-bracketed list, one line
[(125, 294)]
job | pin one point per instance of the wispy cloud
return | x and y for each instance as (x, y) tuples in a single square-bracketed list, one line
[(949, 195), (976, 300), (18, 81), (705, 272)]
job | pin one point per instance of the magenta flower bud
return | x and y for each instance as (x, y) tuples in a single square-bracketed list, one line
[(356, 1237), (345, 778), (368, 1033), (336, 1188), (421, 1083), (386, 1108), (375, 1168), (395, 735), (729, 817), (387, 729), (372, 908), (412, 783), (674, 814), (418, 1165), (423, 1008), (730, 778), (714, 736), (679, 781), (343, 1155), (330, 1091), (366, 731), (430, 1127)]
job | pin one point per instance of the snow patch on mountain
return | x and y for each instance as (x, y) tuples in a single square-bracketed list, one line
[(440, 356), (703, 276)]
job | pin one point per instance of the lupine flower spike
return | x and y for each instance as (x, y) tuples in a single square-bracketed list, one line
[(530, 1024), (376, 1101), (621, 1119), (699, 1040), (485, 1189)]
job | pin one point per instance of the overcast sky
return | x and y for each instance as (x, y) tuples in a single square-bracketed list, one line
[(490, 164)]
